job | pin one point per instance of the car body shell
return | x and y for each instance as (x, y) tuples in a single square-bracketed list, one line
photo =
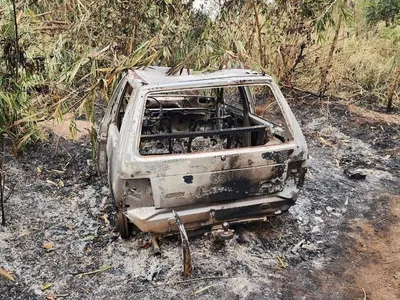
[(205, 188)]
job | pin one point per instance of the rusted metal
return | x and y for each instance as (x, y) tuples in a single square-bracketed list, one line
[(123, 225), (229, 131), (149, 219), (181, 148), (224, 233), (156, 245), (187, 260)]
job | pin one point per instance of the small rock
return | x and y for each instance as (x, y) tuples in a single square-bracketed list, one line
[(318, 212), (315, 229), (318, 219), (105, 190), (310, 247), (103, 203), (297, 246), (38, 291), (92, 202), (329, 209), (355, 174)]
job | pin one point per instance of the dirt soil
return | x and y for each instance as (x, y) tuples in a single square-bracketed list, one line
[(340, 241)]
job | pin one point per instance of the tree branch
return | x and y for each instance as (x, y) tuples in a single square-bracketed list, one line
[(16, 41)]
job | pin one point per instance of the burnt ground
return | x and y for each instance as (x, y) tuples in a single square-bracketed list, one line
[(340, 241)]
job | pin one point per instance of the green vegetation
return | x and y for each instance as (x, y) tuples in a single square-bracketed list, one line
[(69, 53), (383, 10)]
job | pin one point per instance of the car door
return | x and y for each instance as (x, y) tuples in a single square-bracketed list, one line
[(109, 116)]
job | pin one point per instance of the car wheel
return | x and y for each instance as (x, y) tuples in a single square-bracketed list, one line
[(124, 226)]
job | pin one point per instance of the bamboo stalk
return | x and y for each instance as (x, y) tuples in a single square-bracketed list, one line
[(260, 44), (396, 76), (325, 70), (16, 41)]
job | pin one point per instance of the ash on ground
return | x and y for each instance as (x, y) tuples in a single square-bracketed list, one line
[(61, 223)]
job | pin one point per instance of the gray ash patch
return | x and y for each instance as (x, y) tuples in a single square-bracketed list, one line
[(78, 219)]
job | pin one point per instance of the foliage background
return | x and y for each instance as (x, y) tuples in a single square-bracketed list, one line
[(71, 52)]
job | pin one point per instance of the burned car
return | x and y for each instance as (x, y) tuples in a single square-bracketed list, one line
[(216, 148)]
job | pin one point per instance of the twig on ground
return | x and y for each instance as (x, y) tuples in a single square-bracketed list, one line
[(85, 290), (281, 262), (10, 193), (202, 289), (297, 246), (389, 262), (203, 278), (101, 269), (313, 93), (365, 295), (51, 27), (382, 220), (61, 295), (197, 279), (300, 90)]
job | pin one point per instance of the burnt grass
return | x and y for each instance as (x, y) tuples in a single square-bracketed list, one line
[(58, 199)]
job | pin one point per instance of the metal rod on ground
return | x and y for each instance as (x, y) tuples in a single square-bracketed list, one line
[(156, 245), (187, 260)]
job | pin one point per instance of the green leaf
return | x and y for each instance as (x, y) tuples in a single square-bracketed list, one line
[(73, 129), (73, 72), (46, 286)]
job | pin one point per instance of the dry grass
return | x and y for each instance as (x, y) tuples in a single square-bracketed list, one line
[(85, 45), (362, 64)]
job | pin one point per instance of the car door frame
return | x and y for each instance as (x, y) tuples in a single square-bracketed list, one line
[(109, 116)]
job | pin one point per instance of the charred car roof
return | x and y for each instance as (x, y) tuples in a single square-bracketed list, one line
[(155, 75)]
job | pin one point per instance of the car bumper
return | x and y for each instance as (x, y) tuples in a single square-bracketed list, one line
[(150, 219)]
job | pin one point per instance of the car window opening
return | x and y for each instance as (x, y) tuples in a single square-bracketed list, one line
[(123, 104), (211, 119)]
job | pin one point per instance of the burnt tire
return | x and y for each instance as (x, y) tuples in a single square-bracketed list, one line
[(124, 226)]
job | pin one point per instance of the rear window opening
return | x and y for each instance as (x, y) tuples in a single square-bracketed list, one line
[(214, 119)]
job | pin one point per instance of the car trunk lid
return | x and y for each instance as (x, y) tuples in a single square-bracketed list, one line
[(220, 178)]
